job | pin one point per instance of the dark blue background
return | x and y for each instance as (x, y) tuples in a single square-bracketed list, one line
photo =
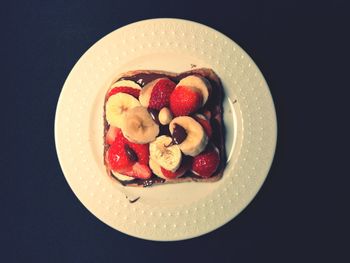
[(299, 215)]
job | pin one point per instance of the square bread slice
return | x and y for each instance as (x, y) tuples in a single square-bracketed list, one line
[(213, 108)]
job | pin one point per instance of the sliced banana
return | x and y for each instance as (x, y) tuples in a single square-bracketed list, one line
[(122, 177), (196, 139), (125, 83), (117, 106), (198, 82), (155, 167), (138, 126), (167, 157), (146, 92)]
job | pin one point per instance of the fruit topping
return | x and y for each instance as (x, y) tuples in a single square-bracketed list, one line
[(205, 124), (164, 154), (122, 177), (128, 158), (156, 94), (141, 150), (206, 163), (185, 166), (117, 106), (139, 139), (139, 127), (141, 171), (198, 82), (111, 135), (118, 159), (156, 169), (131, 91), (125, 83), (196, 139), (185, 100)]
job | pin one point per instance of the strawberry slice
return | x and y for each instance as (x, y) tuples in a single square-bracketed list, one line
[(112, 134), (185, 166), (119, 160), (205, 124), (141, 150), (206, 163), (126, 171), (141, 171), (160, 94), (185, 100), (169, 174), (117, 157), (128, 90)]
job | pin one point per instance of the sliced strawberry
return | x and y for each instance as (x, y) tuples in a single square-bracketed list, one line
[(184, 167), (142, 152), (160, 95), (205, 124), (119, 160), (128, 90), (185, 100), (112, 134), (141, 171), (206, 163), (126, 171), (117, 157), (169, 174)]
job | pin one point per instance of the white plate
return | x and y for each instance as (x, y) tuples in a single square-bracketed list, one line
[(178, 211)]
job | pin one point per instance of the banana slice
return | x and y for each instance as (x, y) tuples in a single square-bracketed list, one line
[(138, 126), (122, 177), (125, 83), (117, 106), (198, 82), (145, 94), (196, 139), (155, 167), (167, 157)]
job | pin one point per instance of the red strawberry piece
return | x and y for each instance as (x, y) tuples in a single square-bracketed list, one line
[(184, 167), (184, 101), (141, 171), (112, 134), (169, 174), (142, 152), (117, 157), (128, 90), (160, 95), (127, 171), (205, 124), (206, 163)]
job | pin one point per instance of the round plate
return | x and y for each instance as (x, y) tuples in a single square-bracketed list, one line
[(173, 211)]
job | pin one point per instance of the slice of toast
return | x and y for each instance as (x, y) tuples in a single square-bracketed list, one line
[(213, 109)]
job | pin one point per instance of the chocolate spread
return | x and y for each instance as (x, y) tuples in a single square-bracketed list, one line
[(179, 134), (143, 182)]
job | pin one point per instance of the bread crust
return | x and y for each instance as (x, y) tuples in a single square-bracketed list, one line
[(210, 75)]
